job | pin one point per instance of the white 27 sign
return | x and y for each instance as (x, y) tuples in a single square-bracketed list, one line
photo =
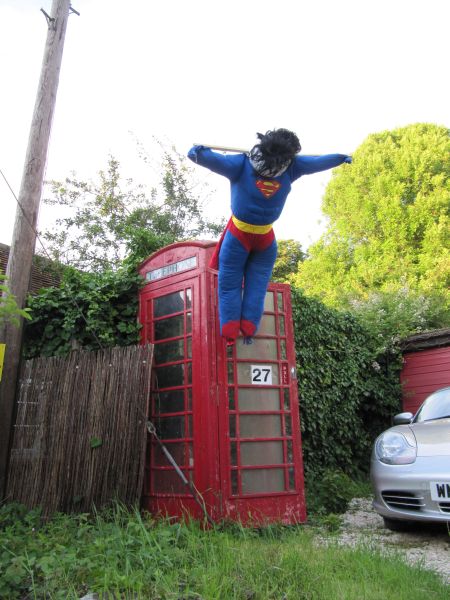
[(261, 374)]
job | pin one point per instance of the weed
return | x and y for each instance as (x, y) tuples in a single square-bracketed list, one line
[(330, 491)]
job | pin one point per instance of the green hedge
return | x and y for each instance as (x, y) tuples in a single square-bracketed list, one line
[(347, 393)]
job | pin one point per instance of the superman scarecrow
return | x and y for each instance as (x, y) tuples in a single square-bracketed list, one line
[(260, 183)]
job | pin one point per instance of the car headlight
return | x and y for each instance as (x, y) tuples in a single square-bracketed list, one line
[(393, 448)]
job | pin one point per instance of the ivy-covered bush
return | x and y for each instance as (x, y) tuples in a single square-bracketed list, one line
[(87, 310), (347, 393)]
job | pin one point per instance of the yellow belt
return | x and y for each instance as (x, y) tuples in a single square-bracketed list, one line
[(248, 228)]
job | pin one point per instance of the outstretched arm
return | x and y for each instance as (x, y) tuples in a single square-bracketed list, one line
[(227, 165), (305, 165)]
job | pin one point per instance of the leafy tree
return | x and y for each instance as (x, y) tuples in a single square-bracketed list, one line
[(9, 309), (290, 254), (113, 219), (394, 314), (388, 221)]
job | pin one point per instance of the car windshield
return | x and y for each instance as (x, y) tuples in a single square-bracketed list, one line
[(436, 406)]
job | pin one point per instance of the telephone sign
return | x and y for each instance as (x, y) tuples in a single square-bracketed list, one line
[(172, 269)]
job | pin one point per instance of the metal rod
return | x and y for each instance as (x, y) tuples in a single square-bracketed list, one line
[(223, 148), (194, 492), (229, 149)]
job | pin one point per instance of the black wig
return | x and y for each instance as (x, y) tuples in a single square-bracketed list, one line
[(275, 152)]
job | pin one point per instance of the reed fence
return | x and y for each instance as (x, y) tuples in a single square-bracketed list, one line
[(80, 431)]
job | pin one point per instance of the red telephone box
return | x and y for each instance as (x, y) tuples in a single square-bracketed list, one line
[(228, 415)]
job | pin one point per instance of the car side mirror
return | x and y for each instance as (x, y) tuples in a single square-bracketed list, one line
[(404, 418)]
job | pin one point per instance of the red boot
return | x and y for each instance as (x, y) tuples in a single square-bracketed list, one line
[(230, 331), (248, 328)]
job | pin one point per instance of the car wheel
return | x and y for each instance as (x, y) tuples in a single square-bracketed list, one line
[(396, 524)]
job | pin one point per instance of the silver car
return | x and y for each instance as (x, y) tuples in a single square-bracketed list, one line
[(410, 465)]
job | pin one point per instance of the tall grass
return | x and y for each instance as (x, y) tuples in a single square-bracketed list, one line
[(123, 554)]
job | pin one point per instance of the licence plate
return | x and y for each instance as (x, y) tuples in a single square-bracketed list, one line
[(440, 490)]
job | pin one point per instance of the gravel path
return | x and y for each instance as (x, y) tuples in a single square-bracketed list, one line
[(427, 546)]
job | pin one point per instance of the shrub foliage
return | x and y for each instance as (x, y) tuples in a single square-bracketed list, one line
[(347, 392)]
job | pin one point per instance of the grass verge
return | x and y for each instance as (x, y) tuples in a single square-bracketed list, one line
[(121, 554)]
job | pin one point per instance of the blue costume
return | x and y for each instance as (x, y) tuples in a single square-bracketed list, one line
[(248, 249)]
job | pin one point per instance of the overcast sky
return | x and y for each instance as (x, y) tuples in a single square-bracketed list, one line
[(216, 73)]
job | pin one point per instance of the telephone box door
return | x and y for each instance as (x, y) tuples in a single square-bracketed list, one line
[(259, 428), (173, 313)]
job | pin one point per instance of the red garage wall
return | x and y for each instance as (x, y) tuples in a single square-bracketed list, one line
[(424, 372)]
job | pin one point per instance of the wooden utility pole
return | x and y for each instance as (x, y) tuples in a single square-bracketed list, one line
[(21, 253)]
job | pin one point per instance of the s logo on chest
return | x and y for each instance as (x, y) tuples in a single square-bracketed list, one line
[(267, 188)]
